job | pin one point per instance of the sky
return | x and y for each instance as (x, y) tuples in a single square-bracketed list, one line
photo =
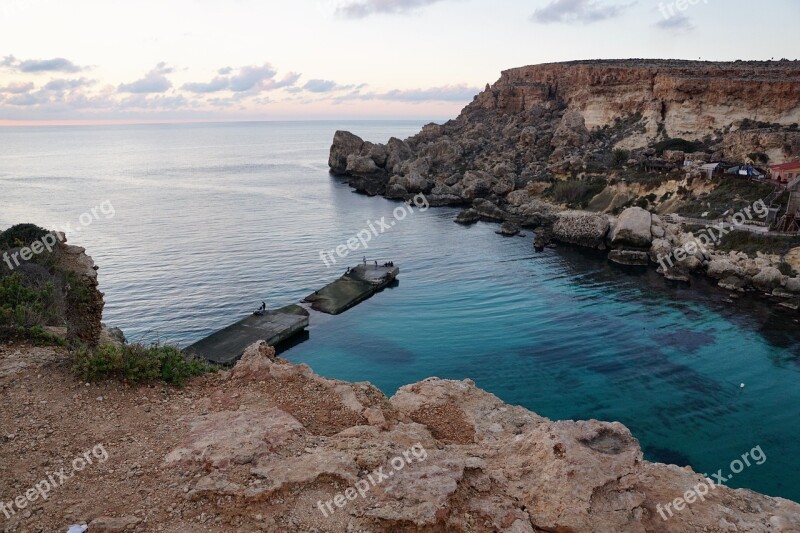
[(112, 61)]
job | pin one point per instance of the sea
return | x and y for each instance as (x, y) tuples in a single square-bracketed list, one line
[(194, 225)]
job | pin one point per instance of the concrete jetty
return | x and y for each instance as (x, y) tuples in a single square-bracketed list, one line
[(227, 345), (351, 289)]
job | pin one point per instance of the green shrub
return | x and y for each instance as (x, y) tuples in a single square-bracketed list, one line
[(577, 192), (24, 306), (21, 235), (136, 363), (681, 145), (750, 243), (620, 156)]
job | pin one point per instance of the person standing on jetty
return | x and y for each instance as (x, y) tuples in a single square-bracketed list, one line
[(365, 260)]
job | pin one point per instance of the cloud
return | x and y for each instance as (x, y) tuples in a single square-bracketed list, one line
[(213, 86), (583, 11), (364, 8), (17, 87), (445, 93), (320, 86), (66, 85), (33, 66), (154, 81), (678, 23), (246, 79)]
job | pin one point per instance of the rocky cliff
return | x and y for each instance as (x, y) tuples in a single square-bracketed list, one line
[(542, 122), (687, 99), (604, 136), (270, 446), (55, 286)]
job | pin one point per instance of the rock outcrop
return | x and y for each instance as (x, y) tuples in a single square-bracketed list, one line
[(560, 118), (632, 228), (581, 228), (74, 301), (439, 455)]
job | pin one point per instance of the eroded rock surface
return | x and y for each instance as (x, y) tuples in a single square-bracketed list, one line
[(477, 463)]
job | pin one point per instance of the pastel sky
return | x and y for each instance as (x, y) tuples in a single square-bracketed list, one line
[(195, 60)]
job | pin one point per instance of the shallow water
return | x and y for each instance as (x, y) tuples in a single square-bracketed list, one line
[(209, 220)]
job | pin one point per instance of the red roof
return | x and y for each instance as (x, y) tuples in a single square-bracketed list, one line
[(786, 166)]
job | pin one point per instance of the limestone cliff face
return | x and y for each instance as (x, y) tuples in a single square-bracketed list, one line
[(549, 121), (685, 99)]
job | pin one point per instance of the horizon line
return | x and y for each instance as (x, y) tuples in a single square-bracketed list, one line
[(137, 122)]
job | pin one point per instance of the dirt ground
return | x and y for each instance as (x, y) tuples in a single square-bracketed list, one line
[(49, 420)]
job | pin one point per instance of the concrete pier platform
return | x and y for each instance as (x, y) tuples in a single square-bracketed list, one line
[(352, 289), (227, 345)]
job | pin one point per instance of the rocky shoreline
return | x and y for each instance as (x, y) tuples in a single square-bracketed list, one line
[(597, 124)]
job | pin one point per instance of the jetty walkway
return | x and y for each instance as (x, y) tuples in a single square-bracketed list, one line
[(277, 326)]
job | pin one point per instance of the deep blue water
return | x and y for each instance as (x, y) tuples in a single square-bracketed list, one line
[(211, 219)]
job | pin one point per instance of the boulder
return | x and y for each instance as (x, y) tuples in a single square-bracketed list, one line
[(581, 228), (633, 228), (733, 283), (768, 279), (571, 131), (377, 152), (113, 524), (518, 198), (629, 257), (661, 252), (720, 268), (468, 217), (477, 184), (344, 144), (508, 229), (793, 259), (111, 335), (504, 186), (793, 285), (394, 191), (362, 166), (488, 210), (413, 183)]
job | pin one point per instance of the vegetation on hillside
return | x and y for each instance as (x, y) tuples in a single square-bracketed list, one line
[(576, 192), (136, 363), (750, 243), (731, 194)]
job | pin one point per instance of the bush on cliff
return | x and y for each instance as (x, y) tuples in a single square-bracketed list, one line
[(21, 235), (681, 145), (136, 363), (577, 193), (26, 306)]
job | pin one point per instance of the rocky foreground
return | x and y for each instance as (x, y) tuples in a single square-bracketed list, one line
[(269, 446)]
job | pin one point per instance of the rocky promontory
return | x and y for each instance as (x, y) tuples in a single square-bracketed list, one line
[(593, 153)]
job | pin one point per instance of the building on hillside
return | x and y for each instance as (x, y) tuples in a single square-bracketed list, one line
[(745, 171), (712, 169), (786, 172)]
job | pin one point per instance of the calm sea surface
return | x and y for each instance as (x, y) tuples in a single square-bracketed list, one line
[(209, 220)]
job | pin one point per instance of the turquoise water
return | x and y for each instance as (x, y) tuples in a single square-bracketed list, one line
[(211, 219)]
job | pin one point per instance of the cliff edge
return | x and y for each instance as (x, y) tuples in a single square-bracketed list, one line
[(270, 446)]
